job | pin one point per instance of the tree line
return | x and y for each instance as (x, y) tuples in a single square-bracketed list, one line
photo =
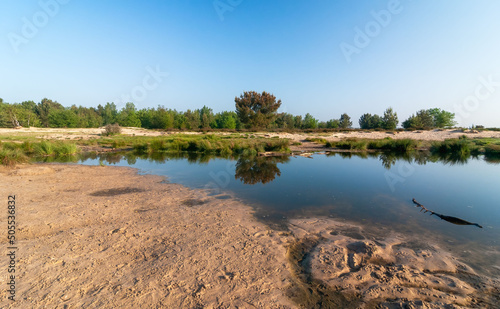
[(253, 110)]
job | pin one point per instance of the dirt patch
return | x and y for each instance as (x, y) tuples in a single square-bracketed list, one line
[(142, 249), (193, 202)]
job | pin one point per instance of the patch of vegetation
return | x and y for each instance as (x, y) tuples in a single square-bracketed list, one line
[(461, 147), (44, 148), (317, 140), (13, 153), (11, 157), (352, 144), (215, 144)]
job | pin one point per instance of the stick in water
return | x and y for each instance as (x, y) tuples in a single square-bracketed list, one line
[(453, 220)]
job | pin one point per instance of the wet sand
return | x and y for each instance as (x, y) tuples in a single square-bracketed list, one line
[(92, 236)]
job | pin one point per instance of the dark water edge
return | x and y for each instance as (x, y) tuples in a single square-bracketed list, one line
[(373, 190)]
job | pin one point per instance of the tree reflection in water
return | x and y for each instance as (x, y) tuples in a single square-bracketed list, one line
[(252, 170), (260, 169)]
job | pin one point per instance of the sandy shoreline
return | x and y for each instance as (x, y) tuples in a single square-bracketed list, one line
[(107, 237), (84, 133)]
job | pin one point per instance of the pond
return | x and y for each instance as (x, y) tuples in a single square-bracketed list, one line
[(372, 189)]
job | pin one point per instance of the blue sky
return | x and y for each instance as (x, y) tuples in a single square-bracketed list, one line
[(186, 54)]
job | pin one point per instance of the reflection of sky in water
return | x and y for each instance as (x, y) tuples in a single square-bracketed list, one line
[(357, 189)]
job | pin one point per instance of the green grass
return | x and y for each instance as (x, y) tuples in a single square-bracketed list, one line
[(13, 153), (11, 157), (210, 143), (351, 144), (66, 149), (397, 145), (317, 140), (461, 147), (44, 148)]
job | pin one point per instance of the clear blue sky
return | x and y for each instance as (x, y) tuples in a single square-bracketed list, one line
[(420, 54)]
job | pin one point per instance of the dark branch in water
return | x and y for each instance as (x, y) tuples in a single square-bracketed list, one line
[(453, 220)]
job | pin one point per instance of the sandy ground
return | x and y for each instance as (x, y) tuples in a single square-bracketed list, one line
[(106, 237), (431, 135)]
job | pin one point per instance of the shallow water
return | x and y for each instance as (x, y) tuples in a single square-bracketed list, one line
[(374, 190)]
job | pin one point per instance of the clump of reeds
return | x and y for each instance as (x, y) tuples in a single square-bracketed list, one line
[(10, 157)]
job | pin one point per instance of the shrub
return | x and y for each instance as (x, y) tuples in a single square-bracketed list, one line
[(141, 147), (111, 129), (158, 145)]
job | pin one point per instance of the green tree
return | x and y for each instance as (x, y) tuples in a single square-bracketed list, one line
[(206, 117), (297, 120), (28, 114), (425, 119), (62, 118), (390, 119), (128, 116), (256, 110), (192, 119), (180, 121), (44, 108), (226, 120), (365, 121), (377, 122), (333, 124), (161, 118), (411, 123), (109, 113), (442, 118), (345, 121), (310, 122)]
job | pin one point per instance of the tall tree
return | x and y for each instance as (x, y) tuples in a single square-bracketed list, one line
[(390, 119), (128, 116), (192, 119), (256, 110), (310, 122), (108, 113), (44, 108), (345, 121), (365, 121), (206, 117)]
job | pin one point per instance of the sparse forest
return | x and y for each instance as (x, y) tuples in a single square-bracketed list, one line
[(253, 110)]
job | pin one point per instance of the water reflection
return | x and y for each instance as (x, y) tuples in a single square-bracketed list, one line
[(252, 170), (258, 169)]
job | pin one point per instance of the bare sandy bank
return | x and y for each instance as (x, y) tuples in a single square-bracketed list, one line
[(87, 133), (107, 237)]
